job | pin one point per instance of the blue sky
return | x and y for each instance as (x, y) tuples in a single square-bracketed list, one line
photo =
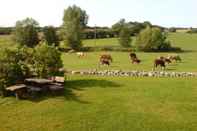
[(167, 13)]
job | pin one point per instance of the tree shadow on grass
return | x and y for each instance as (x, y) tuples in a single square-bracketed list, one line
[(71, 86), (89, 83), (79, 85)]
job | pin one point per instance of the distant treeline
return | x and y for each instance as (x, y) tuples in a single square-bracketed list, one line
[(6, 30), (106, 32), (184, 30), (9, 30)]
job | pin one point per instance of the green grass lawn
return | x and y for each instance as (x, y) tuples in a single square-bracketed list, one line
[(93, 103), (108, 104), (101, 42), (187, 42), (6, 41)]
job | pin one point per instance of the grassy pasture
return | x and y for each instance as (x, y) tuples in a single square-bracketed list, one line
[(121, 60), (93, 103), (108, 104), (6, 41)]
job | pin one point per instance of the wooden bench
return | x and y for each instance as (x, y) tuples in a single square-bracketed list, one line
[(19, 90)]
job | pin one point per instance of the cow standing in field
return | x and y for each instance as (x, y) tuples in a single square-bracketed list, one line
[(105, 59), (134, 58), (175, 58), (165, 59), (159, 62), (132, 55)]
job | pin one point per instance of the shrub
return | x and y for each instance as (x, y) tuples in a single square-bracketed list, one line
[(26, 32), (13, 68), (47, 60), (152, 39), (50, 35), (192, 30), (172, 29), (74, 21), (124, 37)]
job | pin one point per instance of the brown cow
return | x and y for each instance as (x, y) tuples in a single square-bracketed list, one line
[(159, 62), (135, 60), (168, 61), (104, 62), (105, 59), (106, 56), (174, 57), (132, 56), (165, 59)]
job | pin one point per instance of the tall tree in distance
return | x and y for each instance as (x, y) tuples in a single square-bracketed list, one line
[(50, 35), (74, 21), (26, 32), (118, 26), (124, 36), (152, 39)]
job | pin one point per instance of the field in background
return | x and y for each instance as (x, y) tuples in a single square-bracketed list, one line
[(188, 42)]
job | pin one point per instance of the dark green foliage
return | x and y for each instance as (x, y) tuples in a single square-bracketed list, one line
[(192, 30), (13, 67), (152, 39), (6, 30), (123, 29), (74, 21), (172, 29), (26, 32), (50, 35), (119, 25), (23, 62), (47, 60), (98, 32), (134, 27), (124, 37)]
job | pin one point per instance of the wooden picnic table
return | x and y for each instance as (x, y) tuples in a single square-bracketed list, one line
[(19, 90), (16, 87), (41, 84), (38, 81), (35, 86)]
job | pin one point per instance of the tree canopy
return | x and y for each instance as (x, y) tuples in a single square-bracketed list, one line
[(47, 60), (124, 36), (26, 32), (74, 21), (50, 35), (152, 39)]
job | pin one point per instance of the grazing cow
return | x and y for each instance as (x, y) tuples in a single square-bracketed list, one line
[(165, 59), (104, 62), (136, 60), (159, 62), (80, 54), (168, 61), (107, 57), (174, 57), (132, 56)]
